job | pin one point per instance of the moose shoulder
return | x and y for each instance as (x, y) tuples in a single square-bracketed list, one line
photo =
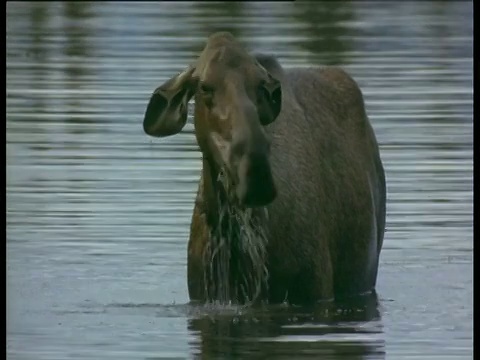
[(291, 198)]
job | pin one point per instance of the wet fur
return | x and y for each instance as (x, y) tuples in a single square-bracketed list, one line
[(325, 229)]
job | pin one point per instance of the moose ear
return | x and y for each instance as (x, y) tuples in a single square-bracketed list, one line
[(166, 113), (269, 100), (270, 91)]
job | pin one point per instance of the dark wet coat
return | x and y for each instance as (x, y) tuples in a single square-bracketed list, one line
[(327, 223)]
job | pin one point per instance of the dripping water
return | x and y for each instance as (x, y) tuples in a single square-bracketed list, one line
[(235, 256)]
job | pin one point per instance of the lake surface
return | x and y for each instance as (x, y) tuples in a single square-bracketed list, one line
[(98, 213)]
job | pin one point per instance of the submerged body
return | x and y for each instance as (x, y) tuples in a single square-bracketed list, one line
[(323, 220)]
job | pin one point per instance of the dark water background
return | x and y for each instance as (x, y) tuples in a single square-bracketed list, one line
[(98, 213)]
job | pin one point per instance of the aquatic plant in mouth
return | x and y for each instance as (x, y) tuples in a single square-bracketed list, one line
[(235, 256)]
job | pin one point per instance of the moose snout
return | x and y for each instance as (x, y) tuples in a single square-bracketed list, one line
[(256, 186), (249, 159)]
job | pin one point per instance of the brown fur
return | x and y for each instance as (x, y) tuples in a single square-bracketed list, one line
[(325, 227)]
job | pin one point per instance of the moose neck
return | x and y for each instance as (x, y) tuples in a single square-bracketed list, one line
[(235, 256)]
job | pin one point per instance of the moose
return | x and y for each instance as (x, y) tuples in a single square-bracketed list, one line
[(291, 201)]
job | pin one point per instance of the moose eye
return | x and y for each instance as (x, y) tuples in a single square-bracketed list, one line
[(207, 92), (206, 89)]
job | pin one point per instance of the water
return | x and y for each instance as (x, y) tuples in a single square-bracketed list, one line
[(98, 213)]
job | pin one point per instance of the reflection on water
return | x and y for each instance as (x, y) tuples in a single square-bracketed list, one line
[(352, 328), (98, 214), (326, 36), (77, 48), (227, 17)]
